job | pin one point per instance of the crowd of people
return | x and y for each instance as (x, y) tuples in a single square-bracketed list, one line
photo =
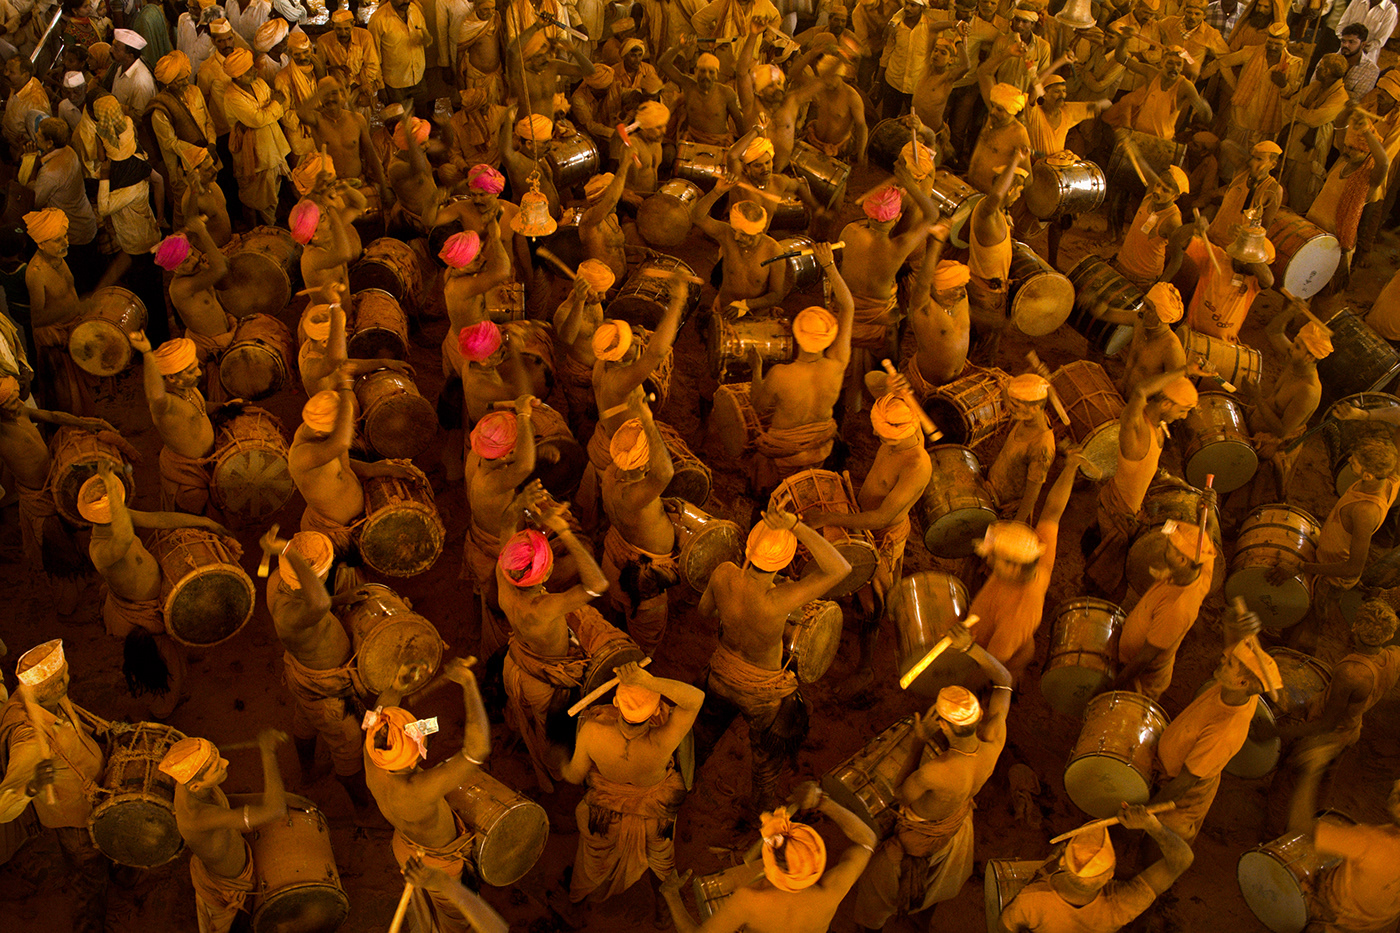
[(210, 201)]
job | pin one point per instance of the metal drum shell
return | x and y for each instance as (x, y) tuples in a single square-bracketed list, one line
[(704, 541), (1076, 188), (865, 782), (133, 814), (607, 658), (575, 159), (1340, 436), (1172, 500), (1113, 758), (1083, 654), (267, 258), (1106, 305), (1002, 880), (1237, 363), (957, 505), (1216, 441), (729, 344), (812, 639), (699, 163), (510, 829), (826, 175), (804, 272), (1305, 256), (924, 607), (1277, 877), (99, 342), (378, 656), (1041, 298), (560, 478), (663, 220), (1266, 533), (1360, 361), (298, 886)]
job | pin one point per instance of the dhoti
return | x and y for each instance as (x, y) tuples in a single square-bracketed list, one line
[(922, 863), (624, 830), (322, 705), (184, 483), (781, 452), (641, 593), (1117, 523), (218, 900), (449, 859)]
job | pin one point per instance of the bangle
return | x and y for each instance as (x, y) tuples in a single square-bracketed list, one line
[(591, 593), (1003, 687), (868, 848), (246, 824), (475, 761)]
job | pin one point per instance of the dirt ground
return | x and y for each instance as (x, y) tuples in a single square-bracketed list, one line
[(235, 688)]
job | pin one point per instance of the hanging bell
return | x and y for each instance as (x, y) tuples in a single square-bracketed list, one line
[(1250, 245), (1077, 14)]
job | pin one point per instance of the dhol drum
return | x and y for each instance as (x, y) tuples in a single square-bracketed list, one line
[(1277, 878), (261, 360), (1237, 363), (1305, 680), (606, 659), (789, 214), (733, 419), (804, 271), (1361, 360), (399, 423), (1093, 406), (1153, 151), (1183, 504), (955, 199), (700, 163), (76, 454), (379, 327), (264, 268), (1105, 305), (1341, 436), (692, 479), (925, 606), (663, 220), (1083, 657), (705, 541), (1002, 880), (826, 175), (133, 808), (972, 408), (388, 634), (392, 266), (207, 596), (825, 491), (1112, 761), (1305, 255), (957, 506), (98, 344), (401, 534), (1215, 441), (731, 341), (713, 890), (1269, 534), (511, 829), (1040, 297), (559, 458), (887, 138), (646, 294), (812, 638), (250, 478), (865, 782), (575, 160), (298, 885), (1060, 186)]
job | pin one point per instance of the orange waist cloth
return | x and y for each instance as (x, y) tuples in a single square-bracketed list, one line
[(756, 690), (804, 441), (217, 900), (342, 536), (311, 685), (922, 838), (121, 615)]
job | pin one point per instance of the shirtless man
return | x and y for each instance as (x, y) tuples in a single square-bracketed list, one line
[(482, 205), (203, 197), (344, 135), (796, 894), (324, 353), (479, 51), (938, 316), (1155, 347), (327, 250), (318, 662), (746, 675), (838, 126), (1023, 464), (575, 321), (748, 285), (625, 753), (989, 254), (524, 147), (652, 118), (412, 798), (491, 371), (53, 310), (934, 825), (712, 112), (194, 278), (896, 482), (599, 231), (411, 175), (181, 416), (1280, 417), (873, 256), (1001, 138), (795, 400), (221, 861), (948, 64), (473, 270), (528, 60), (751, 161), (768, 103)]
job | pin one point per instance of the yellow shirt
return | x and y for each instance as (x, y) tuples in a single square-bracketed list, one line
[(1206, 735), (360, 60), (1144, 250), (1049, 138), (1363, 891), (1037, 907), (402, 46), (77, 761)]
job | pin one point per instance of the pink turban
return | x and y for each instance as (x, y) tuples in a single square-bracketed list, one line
[(460, 249), (305, 218), (479, 341), (884, 204), (485, 178), (172, 251), (526, 558), (494, 435)]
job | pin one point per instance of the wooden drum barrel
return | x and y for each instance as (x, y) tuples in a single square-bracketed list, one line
[(402, 532), (98, 344), (133, 812), (250, 477), (261, 359), (399, 423), (388, 634), (264, 268), (828, 492), (207, 596), (74, 461), (378, 328)]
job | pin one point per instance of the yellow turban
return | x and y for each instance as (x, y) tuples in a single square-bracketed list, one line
[(1009, 97), (1243, 657), (1179, 179), (761, 148), (1028, 387), (536, 127), (309, 169), (1390, 83), (390, 748), (175, 356), (653, 115), (1013, 541), (770, 549), (950, 274), (707, 60), (814, 329), (298, 40), (187, 757), (269, 34), (237, 62), (93, 503), (629, 447), (612, 340), (315, 548), (593, 188), (918, 158), (47, 224), (1316, 339), (316, 321), (892, 418), (1090, 854), (1167, 300), (1182, 392), (320, 411), (637, 704), (597, 275), (752, 225), (601, 79), (1184, 535), (340, 17), (172, 67), (959, 706), (803, 852)]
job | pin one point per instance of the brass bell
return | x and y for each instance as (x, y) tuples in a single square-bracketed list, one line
[(1250, 244)]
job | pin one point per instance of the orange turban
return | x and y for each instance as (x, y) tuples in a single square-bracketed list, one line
[(494, 435), (421, 130), (237, 62), (1028, 387), (1009, 97), (47, 224), (191, 156), (298, 40), (1242, 657), (803, 852), (526, 558), (40, 663), (596, 275), (739, 219), (637, 704), (1316, 339), (316, 549), (653, 115), (814, 329), (316, 321), (175, 356), (1184, 535), (892, 418), (950, 274), (1182, 392), (319, 412), (601, 79), (1167, 300), (764, 75), (761, 148), (93, 502), (309, 169), (1179, 179), (1013, 541), (629, 448), (269, 34), (187, 757), (172, 67), (390, 748), (769, 548), (9, 388), (593, 188), (536, 127), (919, 159), (1090, 854), (959, 706), (611, 340)]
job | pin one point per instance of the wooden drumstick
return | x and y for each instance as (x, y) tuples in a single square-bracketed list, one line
[(1241, 607), (1306, 310), (1110, 821), (41, 734), (1044, 372), (265, 565), (397, 923), (940, 646), (596, 692), (545, 254), (1205, 513), (925, 421)]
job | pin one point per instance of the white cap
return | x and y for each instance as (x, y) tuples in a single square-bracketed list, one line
[(74, 79), (130, 39)]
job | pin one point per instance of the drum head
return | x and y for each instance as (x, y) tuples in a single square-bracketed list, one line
[(816, 638), (251, 481), (1278, 606), (209, 605), (1233, 463), (1042, 304), (1118, 341), (407, 638), (956, 534), (1312, 266), (613, 657), (258, 285), (663, 221), (720, 541), (136, 830), (402, 426), (1069, 689), (691, 483), (512, 845), (1101, 448), (862, 558), (1098, 785), (1272, 892), (402, 541), (252, 371), (99, 348), (302, 908)]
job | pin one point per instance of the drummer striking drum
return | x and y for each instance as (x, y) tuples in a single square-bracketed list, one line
[(182, 420), (1023, 465)]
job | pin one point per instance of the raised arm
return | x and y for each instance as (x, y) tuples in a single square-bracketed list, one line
[(686, 697), (1058, 497), (660, 469), (840, 349), (442, 779), (832, 567), (1176, 854), (700, 211), (607, 204), (272, 806)]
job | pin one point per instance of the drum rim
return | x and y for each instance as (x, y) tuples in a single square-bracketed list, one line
[(1278, 865), (483, 844), (175, 588), (1099, 792)]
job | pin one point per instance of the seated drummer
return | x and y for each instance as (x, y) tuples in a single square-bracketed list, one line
[(1279, 418), (1155, 347), (1075, 888), (197, 267), (181, 417), (838, 126), (746, 674), (748, 284), (796, 893), (413, 798), (221, 861), (1023, 464), (644, 147), (711, 108), (750, 160)]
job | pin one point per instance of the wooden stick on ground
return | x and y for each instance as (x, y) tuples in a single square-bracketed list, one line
[(1044, 372), (596, 692), (925, 421), (1110, 821)]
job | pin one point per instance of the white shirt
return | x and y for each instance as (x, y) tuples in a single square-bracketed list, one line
[(253, 16), (135, 87), (192, 42), (1379, 22), (447, 26)]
